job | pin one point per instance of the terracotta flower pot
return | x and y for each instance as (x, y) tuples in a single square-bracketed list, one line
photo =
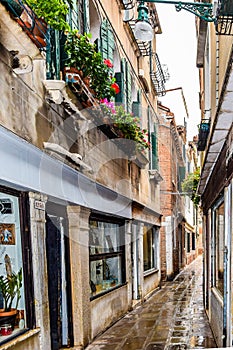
[(8, 317)]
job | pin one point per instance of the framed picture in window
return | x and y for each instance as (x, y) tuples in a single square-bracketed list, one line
[(7, 234)]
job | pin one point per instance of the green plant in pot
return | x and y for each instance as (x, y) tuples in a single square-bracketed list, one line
[(83, 57), (10, 286), (53, 12)]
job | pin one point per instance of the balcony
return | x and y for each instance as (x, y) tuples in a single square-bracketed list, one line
[(224, 17), (35, 28), (203, 133), (158, 75)]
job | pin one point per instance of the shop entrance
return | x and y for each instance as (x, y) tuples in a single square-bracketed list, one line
[(57, 250)]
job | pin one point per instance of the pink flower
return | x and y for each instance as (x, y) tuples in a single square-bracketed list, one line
[(108, 63), (104, 100)]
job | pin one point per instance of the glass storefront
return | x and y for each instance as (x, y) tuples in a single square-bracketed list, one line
[(12, 299), (106, 247)]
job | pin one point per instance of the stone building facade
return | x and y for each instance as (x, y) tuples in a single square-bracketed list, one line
[(80, 208), (215, 144)]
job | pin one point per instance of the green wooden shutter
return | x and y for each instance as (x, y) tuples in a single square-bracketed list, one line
[(53, 57), (107, 42), (123, 70), (87, 27), (73, 16), (120, 81), (182, 172), (128, 90), (137, 105), (154, 147)]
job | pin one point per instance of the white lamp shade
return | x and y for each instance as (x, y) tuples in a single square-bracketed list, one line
[(143, 31)]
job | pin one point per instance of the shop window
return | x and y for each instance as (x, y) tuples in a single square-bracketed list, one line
[(150, 248), (193, 241), (12, 296), (188, 242), (218, 245), (107, 263)]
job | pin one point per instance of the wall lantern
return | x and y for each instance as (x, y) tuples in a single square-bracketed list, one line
[(143, 29)]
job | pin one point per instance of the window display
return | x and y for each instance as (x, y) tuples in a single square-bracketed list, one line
[(12, 303), (218, 250), (150, 248), (106, 256)]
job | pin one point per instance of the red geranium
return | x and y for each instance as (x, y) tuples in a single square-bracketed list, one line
[(108, 63), (115, 86)]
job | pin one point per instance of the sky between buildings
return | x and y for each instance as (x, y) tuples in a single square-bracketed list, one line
[(177, 48)]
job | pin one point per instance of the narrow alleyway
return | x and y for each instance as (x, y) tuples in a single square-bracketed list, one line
[(173, 318)]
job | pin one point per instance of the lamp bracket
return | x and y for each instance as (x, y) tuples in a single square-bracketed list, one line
[(202, 10)]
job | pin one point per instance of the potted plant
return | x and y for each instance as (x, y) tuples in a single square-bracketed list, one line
[(127, 123), (10, 286), (83, 59), (53, 12)]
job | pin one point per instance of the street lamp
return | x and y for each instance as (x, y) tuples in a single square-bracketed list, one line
[(143, 29)]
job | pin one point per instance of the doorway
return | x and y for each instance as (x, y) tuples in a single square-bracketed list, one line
[(59, 290)]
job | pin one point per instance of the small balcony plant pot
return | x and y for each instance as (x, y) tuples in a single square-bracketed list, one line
[(10, 286), (8, 317), (13, 7)]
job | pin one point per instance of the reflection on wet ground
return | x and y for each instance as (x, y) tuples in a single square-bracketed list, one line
[(172, 319)]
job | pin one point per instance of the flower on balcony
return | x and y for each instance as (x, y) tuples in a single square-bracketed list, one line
[(116, 87), (126, 122), (108, 63), (82, 55)]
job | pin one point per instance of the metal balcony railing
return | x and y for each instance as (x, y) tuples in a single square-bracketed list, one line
[(224, 17), (34, 27), (157, 75), (203, 133)]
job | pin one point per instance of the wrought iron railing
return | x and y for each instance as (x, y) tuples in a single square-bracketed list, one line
[(34, 27), (203, 133), (224, 17), (157, 75)]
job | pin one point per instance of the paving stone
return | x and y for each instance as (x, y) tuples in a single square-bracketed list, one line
[(172, 319), (155, 346), (178, 347)]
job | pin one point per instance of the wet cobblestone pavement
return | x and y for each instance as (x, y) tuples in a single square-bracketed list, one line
[(172, 319)]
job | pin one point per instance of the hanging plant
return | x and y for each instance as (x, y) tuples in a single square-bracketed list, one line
[(52, 11), (190, 184)]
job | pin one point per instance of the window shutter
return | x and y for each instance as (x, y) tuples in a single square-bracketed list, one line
[(137, 105), (53, 57), (154, 147), (107, 42), (120, 81), (182, 171), (123, 70), (73, 16), (86, 16), (128, 87)]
